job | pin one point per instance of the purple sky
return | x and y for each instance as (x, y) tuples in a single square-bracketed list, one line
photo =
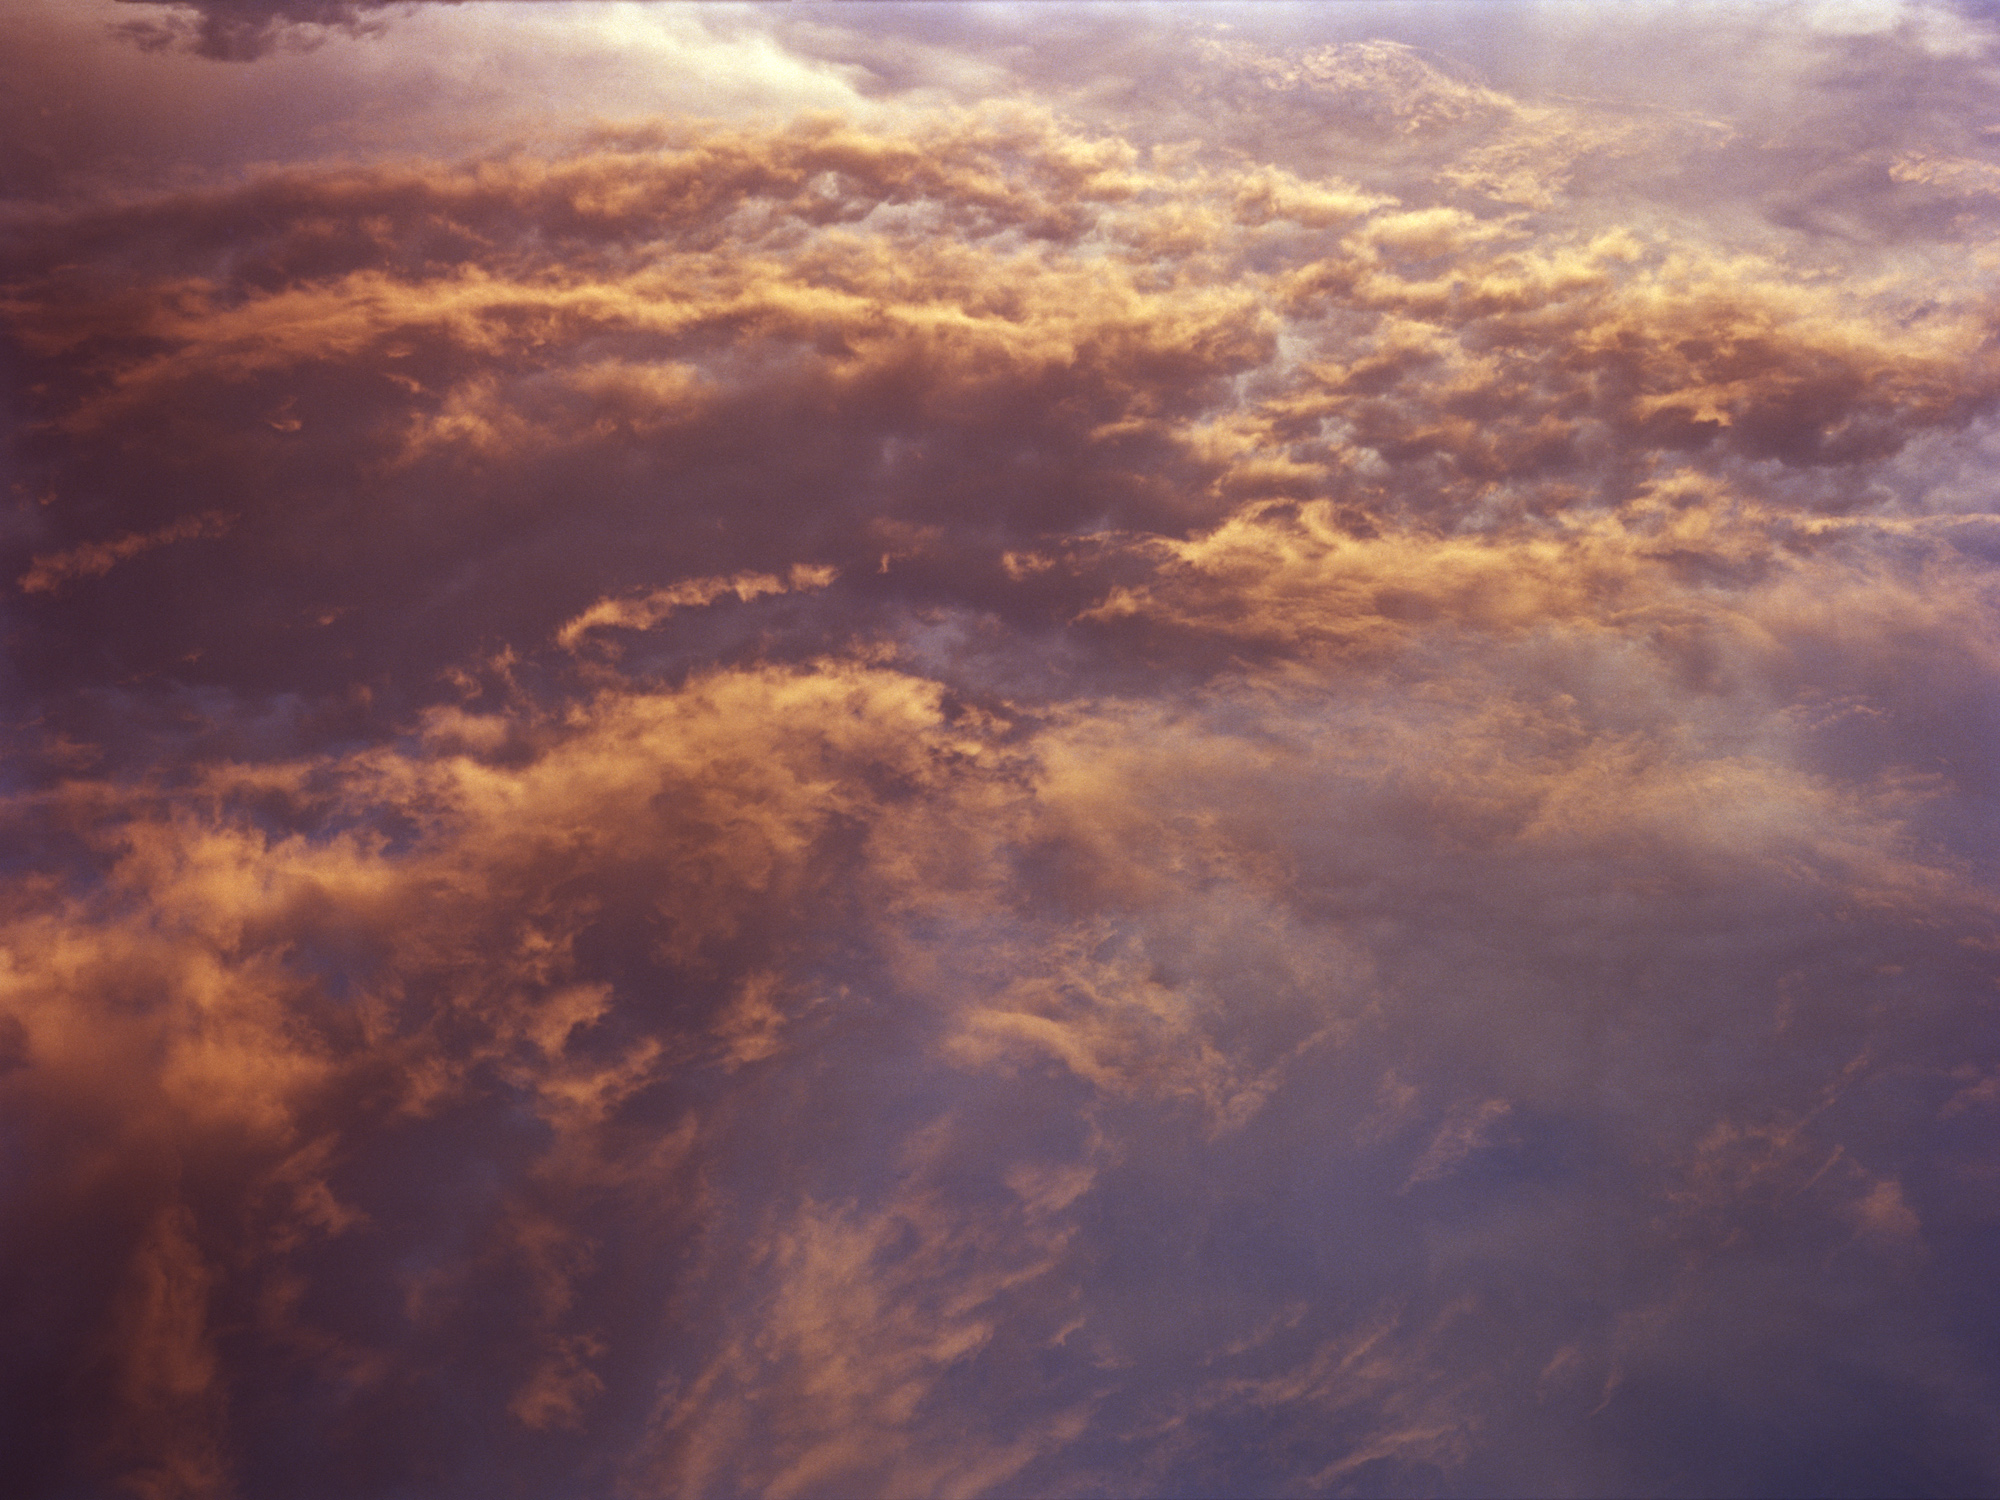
[(837, 750)]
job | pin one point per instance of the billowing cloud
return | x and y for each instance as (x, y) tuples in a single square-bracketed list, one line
[(1267, 775)]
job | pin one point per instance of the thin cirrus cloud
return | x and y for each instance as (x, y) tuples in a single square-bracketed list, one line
[(1269, 773)]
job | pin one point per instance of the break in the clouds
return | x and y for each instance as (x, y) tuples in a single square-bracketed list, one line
[(1000, 751)]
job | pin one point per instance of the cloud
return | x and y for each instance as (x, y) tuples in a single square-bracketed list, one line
[(987, 794), (48, 574), (647, 611), (1171, 933), (241, 30)]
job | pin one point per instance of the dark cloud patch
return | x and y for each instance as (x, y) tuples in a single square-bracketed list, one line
[(241, 30)]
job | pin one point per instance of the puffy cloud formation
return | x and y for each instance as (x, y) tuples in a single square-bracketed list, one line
[(1269, 774)]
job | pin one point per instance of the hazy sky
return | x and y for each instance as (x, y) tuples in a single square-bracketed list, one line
[(873, 750)]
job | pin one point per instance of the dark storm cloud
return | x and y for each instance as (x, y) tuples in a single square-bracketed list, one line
[(984, 800), (242, 30)]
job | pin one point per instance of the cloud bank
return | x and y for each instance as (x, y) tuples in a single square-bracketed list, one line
[(1270, 773)]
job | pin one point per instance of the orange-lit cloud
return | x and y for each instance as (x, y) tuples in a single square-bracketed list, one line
[(1268, 774)]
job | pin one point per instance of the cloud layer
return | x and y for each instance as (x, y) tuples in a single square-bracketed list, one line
[(1270, 774)]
